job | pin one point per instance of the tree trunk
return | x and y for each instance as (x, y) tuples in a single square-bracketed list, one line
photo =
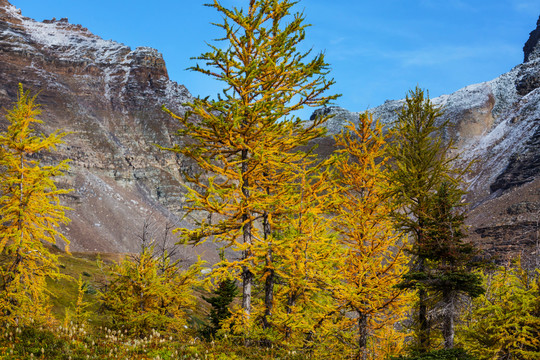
[(14, 269), (423, 336), (448, 322), (362, 336), (269, 272), (247, 275), (423, 322), (290, 303)]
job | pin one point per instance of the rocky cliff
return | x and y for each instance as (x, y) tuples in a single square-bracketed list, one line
[(108, 97), (495, 125), (531, 49)]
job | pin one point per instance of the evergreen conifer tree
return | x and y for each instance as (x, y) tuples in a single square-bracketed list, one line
[(221, 299), (450, 257), (426, 187)]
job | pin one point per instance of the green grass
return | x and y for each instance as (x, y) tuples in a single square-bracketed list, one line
[(64, 290)]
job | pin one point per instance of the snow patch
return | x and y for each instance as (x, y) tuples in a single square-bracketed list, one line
[(71, 42), (75, 45)]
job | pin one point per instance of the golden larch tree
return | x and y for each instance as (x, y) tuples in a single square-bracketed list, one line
[(306, 257), (374, 260), (30, 213), (250, 129), (149, 291)]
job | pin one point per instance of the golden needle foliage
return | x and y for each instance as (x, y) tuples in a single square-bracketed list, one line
[(30, 214), (374, 260), (246, 136), (148, 293), (306, 257)]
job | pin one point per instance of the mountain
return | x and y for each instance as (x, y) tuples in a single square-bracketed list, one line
[(108, 97), (496, 125)]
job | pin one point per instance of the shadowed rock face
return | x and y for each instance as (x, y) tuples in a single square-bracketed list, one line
[(523, 166), (531, 49), (530, 80), (108, 97)]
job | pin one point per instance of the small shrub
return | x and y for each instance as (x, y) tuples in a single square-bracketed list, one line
[(90, 289)]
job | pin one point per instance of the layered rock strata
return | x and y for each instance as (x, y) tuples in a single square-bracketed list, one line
[(108, 97)]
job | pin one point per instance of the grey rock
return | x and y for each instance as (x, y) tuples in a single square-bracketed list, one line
[(523, 208), (108, 97), (523, 166)]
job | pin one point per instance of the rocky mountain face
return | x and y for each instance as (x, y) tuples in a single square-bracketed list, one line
[(496, 126), (531, 49), (108, 97)]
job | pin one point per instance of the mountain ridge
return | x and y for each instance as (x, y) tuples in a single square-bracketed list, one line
[(109, 97), (496, 127)]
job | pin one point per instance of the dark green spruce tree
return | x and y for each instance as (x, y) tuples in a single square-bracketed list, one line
[(449, 256), (426, 185), (220, 301)]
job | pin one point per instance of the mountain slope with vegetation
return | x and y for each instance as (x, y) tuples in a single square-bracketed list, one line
[(361, 253), (495, 125)]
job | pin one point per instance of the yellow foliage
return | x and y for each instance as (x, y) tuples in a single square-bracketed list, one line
[(31, 213), (147, 293), (374, 260)]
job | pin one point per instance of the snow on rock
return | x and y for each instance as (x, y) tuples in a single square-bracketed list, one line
[(84, 53), (71, 42), (490, 123), (108, 98)]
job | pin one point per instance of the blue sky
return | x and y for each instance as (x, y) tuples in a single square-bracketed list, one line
[(377, 50)]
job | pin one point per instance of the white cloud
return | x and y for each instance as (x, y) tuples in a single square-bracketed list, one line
[(526, 5), (448, 53), (338, 40)]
